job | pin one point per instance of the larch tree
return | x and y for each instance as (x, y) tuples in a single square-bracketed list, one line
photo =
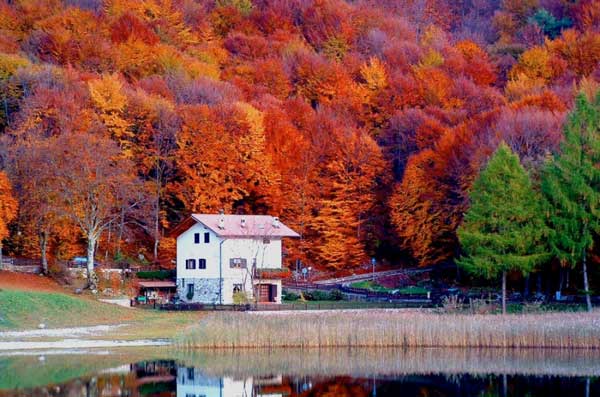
[(504, 228), (571, 185), (94, 182), (8, 208)]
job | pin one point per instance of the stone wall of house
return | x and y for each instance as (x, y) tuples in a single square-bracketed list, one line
[(206, 290)]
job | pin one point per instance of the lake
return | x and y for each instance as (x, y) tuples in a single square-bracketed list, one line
[(162, 372)]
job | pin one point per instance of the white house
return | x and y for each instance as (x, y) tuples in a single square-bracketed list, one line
[(220, 255)]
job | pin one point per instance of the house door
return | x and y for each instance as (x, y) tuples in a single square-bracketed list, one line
[(267, 293)]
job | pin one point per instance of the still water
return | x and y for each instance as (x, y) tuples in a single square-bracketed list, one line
[(363, 373)]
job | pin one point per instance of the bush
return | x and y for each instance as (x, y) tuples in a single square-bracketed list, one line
[(290, 296), (317, 295), (336, 295), (156, 275)]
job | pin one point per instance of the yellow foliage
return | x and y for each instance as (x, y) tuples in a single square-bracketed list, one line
[(432, 59), (534, 64), (522, 86), (374, 74), (108, 98), (106, 93)]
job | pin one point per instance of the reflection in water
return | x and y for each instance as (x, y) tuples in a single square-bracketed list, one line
[(181, 378)]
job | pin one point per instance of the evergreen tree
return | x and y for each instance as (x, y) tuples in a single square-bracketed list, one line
[(504, 229), (571, 184)]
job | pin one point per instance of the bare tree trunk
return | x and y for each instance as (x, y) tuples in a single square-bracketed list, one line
[(43, 250), (121, 229), (1, 263), (586, 285), (156, 220), (92, 280), (504, 292)]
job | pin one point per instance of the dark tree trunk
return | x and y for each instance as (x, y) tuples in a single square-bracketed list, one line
[(586, 284), (44, 250)]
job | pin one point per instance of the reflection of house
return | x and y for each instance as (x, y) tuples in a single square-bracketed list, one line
[(221, 255), (192, 382)]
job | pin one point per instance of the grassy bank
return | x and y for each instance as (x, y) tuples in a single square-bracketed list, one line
[(27, 309), (393, 329)]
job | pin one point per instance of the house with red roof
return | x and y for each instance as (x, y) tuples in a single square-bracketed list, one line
[(226, 259)]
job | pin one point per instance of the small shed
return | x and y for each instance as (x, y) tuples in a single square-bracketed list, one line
[(155, 292)]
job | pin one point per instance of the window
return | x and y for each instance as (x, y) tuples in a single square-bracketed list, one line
[(196, 238), (237, 263), (201, 263), (266, 240), (190, 290), (190, 263), (237, 288), (207, 237), (190, 373)]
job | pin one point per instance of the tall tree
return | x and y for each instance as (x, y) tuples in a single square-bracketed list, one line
[(33, 171), (94, 183), (571, 184), (503, 229), (8, 208)]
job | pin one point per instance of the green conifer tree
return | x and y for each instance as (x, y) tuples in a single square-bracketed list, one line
[(571, 185), (504, 228)]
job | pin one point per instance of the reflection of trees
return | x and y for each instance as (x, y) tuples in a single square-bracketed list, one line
[(336, 387), (157, 379)]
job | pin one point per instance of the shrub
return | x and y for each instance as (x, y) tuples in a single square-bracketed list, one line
[(290, 296), (156, 274), (336, 295)]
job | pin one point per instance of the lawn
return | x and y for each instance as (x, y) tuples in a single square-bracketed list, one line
[(27, 309), (375, 287), (370, 285)]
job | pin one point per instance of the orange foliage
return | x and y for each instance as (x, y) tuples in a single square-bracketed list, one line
[(8, 206)]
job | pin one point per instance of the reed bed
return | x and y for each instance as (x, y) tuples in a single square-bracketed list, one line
[(369, 362), (388, 328)]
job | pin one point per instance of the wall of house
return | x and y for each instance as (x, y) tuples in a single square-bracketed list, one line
[(266, 254)]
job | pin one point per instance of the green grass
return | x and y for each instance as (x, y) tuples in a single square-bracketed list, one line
[(27, 309), (371, 286), (413, 290)]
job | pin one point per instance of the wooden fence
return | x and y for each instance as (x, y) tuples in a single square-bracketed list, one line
[(312, 305), (21, 265)]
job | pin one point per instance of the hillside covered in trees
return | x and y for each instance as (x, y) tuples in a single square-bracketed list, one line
[(362, 124)]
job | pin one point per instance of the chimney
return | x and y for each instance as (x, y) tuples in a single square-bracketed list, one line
[(276, 222), (243, 222), (221, 219)]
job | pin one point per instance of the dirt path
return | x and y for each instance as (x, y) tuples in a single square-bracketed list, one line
[(73, 332), (79, 344), (69, 338)]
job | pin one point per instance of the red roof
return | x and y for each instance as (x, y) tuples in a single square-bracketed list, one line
[(254, 226), (157, 284), (245, 225)]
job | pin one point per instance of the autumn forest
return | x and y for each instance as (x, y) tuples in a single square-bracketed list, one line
[(362, 124)]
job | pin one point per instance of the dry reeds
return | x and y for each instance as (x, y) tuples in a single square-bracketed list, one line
[(390, 328)]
